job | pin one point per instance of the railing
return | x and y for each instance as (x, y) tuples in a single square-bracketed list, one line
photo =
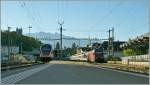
[(136, 58), (137, 63)]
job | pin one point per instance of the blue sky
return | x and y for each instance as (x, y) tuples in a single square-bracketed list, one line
[(81, 18)]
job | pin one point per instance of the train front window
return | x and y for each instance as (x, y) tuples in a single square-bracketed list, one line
[(46, 51)]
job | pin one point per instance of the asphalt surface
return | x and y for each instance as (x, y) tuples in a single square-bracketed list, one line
[(70, 74)]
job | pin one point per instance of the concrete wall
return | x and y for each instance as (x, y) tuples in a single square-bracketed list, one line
[(12, 49), (139, 60), (143, 64), (139, 63), (115, 62), (4, 52), (136, 58)]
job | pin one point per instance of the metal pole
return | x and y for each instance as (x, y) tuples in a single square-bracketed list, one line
[(29, 30), (21, 41), (109, 43), (8, 46), (60, 38), (61, 41), (112, 41)]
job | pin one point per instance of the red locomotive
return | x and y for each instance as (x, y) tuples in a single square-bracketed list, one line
[(96, 55)]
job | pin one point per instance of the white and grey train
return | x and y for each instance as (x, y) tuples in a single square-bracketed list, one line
[(46, 53)]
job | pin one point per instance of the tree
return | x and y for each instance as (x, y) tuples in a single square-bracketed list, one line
[(57, 46), (56, 51), (13, 39), (73, 49), (74, 45), (129, 52)]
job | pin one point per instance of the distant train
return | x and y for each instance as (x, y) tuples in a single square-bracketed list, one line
[(96, 55), (46, 53)]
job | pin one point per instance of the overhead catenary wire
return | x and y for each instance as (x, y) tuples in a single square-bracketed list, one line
[(107, 14), (38, 19), (30, 14), (111, 12), (58, 13), (34, 17)]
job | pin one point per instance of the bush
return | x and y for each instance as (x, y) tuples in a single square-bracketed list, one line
[(129, 52), (113, 58)]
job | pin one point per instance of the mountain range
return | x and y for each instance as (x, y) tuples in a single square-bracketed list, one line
[(52, 38)]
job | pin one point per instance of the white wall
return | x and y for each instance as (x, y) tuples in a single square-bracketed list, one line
[(4, 51)]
